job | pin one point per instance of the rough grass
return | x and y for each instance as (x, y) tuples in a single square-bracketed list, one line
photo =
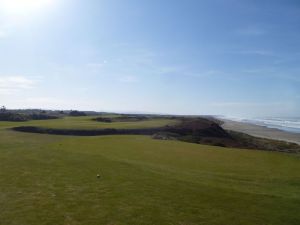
[(86, 122), (47, 179)]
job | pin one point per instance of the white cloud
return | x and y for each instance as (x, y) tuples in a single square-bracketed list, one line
[(12, 84)]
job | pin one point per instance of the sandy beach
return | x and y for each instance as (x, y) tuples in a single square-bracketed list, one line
[(261, 131)]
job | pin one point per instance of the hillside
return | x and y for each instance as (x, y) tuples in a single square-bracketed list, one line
[(189, 129)]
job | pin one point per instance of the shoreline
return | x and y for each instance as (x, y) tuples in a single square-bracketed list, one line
[(260, 131)]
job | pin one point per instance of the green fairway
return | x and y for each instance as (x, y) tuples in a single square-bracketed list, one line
[(86, 122), (48, 179)]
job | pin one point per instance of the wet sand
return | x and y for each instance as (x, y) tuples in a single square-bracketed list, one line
[(261, 131)]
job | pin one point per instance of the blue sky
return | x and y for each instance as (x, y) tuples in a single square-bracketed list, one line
[(221, 57)]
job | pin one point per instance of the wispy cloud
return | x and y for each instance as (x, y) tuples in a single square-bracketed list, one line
[(128, 79), (254, 108), (12, 84), (251, 31), (272, 73), (206, 73), (255, 52), (168, 69), (56, 102), (44, 100), (291, 57), (246, 104), (96, 65), (260, 70), (4, 30), (3, 34)]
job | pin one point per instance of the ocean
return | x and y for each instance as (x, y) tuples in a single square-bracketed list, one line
[(290, 124)]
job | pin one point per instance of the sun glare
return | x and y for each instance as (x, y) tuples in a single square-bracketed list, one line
[(23, 7)]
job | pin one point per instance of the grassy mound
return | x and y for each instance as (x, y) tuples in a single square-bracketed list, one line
[(86, 123), (194, 130)]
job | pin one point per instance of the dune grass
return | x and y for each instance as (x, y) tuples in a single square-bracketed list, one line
[(48, 179)]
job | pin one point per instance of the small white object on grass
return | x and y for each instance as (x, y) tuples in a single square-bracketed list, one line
[(98, 175)]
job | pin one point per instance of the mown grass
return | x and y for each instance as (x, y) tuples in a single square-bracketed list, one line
[(86, 122), (47, 179)]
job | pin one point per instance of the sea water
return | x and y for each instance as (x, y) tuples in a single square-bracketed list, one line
[(291, 124)]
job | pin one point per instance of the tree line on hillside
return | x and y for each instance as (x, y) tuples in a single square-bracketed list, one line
[(36, 114), (6, 115)]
